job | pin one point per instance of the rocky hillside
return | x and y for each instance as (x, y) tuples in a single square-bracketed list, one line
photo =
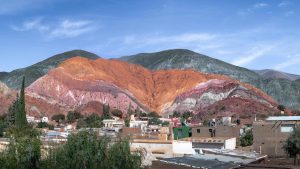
[(284, 91), (268, 73), (79, 81), (13, 79)]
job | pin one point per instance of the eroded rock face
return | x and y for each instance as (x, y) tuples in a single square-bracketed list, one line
[(79, 82)]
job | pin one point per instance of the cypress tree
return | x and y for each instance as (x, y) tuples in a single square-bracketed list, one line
[(20, 116)]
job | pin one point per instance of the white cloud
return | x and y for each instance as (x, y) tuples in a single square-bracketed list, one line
[(283, 4), (289, 13), (252, 9), (62, 29), (69, 29), (294, 60), (255, 53), (30, 25), (260, 5)]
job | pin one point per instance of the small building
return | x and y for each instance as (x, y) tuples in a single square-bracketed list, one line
[(45, 119), (111, 124), (270, 135), (30, 119), (217, 131)]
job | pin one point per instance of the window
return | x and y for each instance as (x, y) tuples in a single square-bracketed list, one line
[(287, 128), (198, 130)]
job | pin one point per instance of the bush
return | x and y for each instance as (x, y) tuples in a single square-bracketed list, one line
[(247, 139), (45, 125), (86, 150), (153, 114), (117, 113), (58, 118), (91, 121), (73, 116)]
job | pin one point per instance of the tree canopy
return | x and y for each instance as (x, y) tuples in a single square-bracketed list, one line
[(292, 144)]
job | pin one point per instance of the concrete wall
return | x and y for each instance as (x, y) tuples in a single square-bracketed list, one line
[(183, 147), (230, 143), (269, 139), (220, 131)]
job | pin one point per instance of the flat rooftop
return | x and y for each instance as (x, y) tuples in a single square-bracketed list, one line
[(283, 118), (207, 139)]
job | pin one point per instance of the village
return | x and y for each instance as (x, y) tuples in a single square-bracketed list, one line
[(217, 142)]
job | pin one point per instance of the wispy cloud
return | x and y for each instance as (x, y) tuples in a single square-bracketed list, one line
[(291, 60), (253, 8), (34, 24), (69, 29), (255, 53), (289, 13), (260, 5), (61, 29), (284, 4)]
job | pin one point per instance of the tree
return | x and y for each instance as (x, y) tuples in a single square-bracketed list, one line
[(176, 114), (20, 117), (12, 111), (72, 116), (187, 114), (247, 139), (106, 111), (281, 107), (153, 114), (129, 110), (292, 145), (117, 113), (86, 150), (58, 118)]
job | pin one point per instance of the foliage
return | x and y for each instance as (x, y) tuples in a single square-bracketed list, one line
[(292, 144), (187, 114), (58, 118), (3, 125), (91, 121), (85, 150), (72, 116), (176, 114), (45, 125), (22, 153), (127, 122), (129, 110), (281, 107), (106, 110), (20, 114), (157, 121), (247, 139), (12, 112), (117, 113), (153, 114)]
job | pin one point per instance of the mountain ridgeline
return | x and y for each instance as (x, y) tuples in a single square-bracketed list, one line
[(284, 90), (32, 73)]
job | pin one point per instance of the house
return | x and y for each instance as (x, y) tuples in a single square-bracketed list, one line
[(30, 119), (45, 119), (112, 124), (217, 131), (270, 135)]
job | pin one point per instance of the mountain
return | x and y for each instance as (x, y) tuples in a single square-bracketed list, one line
[(6, 97), (285, 91), (79, 81), (13, 79), (269, 73)]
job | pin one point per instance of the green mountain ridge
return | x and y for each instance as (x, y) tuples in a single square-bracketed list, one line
[(269, 73), (285, 91), (32, 73)]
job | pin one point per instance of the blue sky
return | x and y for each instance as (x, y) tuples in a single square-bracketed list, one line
[(255, 34)]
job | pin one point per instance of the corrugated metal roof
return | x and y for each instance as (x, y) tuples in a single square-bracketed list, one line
[(283, 118)]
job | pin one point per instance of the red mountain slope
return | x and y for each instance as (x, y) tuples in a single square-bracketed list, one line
[(78, 82)]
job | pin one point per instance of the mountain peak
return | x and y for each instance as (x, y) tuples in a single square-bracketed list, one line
[(33, 72)]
